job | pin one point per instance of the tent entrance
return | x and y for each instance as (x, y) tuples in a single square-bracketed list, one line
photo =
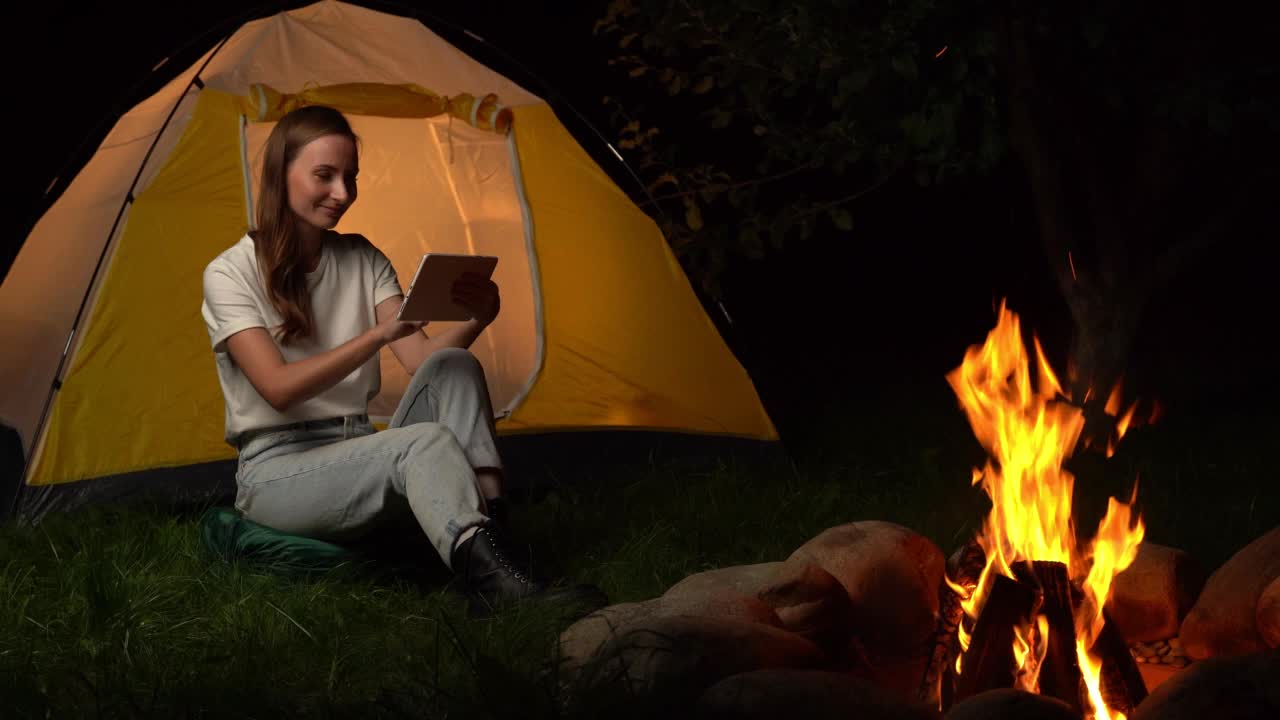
[(440, 185)]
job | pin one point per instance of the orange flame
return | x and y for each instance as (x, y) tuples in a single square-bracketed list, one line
[(1029, 434)]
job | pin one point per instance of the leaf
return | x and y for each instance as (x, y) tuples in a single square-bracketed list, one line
[(676, 85), (759, 130), (777, 239), (637, 72), (721, 118), (806, 229), (1094, 32), (627, 39), (664, 179), (916, 129), (692, 214), (749, 241), (905, 65), (855, 81), (1219, 117), (703, 85), (842, 219)]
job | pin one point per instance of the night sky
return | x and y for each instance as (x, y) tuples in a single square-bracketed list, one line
[(898, 300)]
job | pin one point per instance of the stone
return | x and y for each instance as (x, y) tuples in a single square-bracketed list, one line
[(891, 575), (1150, 598), (1244, 687), (735, 580), (582, 640), (1224, 618), (810, 601), (674, 659), (1011, 704), (1268, 614), (898, 671), (808, 694)]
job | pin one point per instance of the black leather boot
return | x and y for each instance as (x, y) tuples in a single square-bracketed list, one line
[(499, 511), (493, 574)]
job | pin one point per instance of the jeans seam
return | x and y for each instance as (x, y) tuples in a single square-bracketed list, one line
[(329, 464), (249, 464), (426, 388)]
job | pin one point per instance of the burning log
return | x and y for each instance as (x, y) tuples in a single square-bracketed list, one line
[(989, 662), (1060, 670), (1034, 621), (937, 687), (1121, 682), (1041, 590)]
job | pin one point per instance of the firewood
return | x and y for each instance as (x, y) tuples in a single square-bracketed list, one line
[(1121, 683), (989, 661), (937, 686), (1060, 672)]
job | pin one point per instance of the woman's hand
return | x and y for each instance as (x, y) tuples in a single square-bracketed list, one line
[(479, 296), (391, 329)]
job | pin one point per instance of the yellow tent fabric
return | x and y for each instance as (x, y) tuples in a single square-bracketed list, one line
[(628, 344), (407, 100), (138, 393), (603, 328)]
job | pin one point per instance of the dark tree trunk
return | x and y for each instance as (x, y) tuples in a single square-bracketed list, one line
[(1105, 188), (1097, 220)]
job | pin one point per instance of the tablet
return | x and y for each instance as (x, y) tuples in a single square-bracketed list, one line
[(428, 299)]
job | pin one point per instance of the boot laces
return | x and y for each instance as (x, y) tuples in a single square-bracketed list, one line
[(499, 545)]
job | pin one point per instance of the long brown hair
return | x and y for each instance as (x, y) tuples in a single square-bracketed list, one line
[(276, 241)]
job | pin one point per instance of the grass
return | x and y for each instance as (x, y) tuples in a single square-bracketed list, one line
[(116, 612)]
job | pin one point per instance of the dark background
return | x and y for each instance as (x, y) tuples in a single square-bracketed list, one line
[(821, 326)]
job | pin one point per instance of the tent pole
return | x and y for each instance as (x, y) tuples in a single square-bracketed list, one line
[(436, 20), (102, 256)]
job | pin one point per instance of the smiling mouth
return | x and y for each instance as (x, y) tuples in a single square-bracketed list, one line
[(332, 211)]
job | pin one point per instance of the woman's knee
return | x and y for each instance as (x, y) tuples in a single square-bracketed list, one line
[(451, 361), (428, 436), (434, 443)]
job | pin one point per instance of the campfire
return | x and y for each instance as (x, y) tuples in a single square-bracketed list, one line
[(1028, 603)]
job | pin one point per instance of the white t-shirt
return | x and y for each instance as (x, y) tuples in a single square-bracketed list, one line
[(351, 278)]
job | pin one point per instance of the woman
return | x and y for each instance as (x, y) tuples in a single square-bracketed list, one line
[(297, 314)]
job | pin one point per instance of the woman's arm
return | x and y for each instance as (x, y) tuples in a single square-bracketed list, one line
[(478, 295), (284, 385), (414, 349)]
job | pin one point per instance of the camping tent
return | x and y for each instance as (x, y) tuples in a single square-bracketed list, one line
[(104, 356)]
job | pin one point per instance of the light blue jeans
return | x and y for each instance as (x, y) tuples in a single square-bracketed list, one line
[(337, 479)]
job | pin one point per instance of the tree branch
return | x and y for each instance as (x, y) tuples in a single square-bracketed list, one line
[(849, 198), (720, 187), (1172, 261)]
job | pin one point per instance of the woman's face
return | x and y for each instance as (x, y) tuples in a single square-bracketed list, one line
[(322, 180)]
